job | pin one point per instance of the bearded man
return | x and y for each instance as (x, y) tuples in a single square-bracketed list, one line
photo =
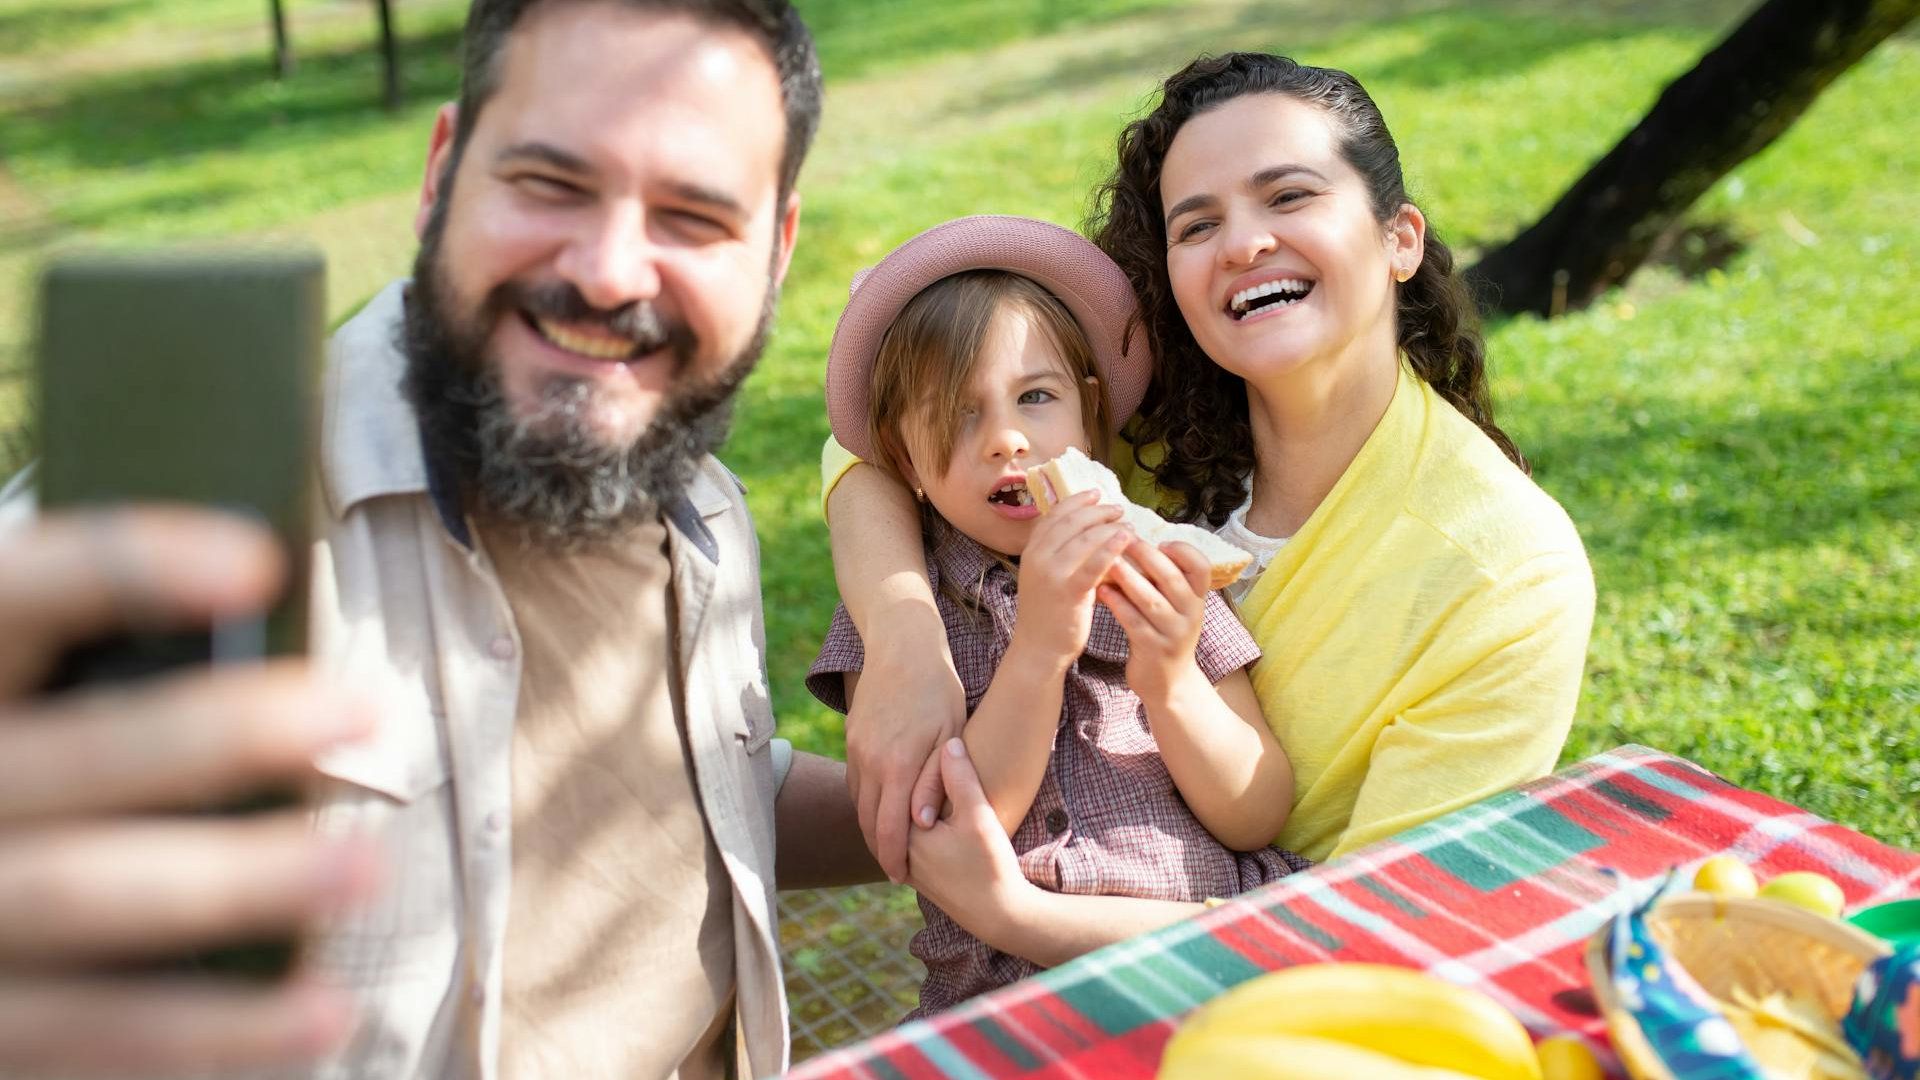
[(534, 565)]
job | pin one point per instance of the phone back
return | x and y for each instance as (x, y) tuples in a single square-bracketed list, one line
[(186, 377)]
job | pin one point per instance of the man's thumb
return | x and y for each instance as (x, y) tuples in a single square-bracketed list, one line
[(962, 782)]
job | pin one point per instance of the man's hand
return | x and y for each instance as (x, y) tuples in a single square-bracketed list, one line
[(91, 870), (965, 863), (909, 702)]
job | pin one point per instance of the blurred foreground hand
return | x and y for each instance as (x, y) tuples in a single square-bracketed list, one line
[(94, 870)]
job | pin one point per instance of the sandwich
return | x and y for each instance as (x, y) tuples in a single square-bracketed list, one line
[(1074, 472)]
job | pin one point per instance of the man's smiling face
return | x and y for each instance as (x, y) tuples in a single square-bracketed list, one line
[(598, 269)]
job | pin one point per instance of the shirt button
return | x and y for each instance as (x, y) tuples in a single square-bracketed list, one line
[(478, 995), (502, 648), (496, 820), (1056, 821)]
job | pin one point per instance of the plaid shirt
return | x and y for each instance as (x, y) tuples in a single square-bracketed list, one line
[(1107, 819)]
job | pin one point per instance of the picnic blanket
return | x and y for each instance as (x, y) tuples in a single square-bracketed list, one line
[(1501, 895)]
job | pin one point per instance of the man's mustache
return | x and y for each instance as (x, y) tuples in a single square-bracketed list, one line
[(640, 321)]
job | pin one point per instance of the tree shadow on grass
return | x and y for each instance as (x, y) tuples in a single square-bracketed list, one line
[(1674, 481), (36, 237), (55, 26), (1500, 39), (856, 37), (232, 104)]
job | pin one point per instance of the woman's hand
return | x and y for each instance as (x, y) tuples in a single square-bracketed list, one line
[(1070, 549), (912, 700), (909, 702), (91, 868), (1159, 597)]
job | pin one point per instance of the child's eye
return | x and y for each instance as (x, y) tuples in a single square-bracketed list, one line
[(1037, 397)]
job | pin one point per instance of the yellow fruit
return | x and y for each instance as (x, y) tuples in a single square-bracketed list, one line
[(1285, 1057), (1726, 875), (1815, 892), (1566, 1057), (1395, 1011)]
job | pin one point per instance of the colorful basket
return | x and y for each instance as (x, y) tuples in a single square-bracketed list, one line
[(1759, 945)]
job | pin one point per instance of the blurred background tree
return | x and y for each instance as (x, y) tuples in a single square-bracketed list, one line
[(1733, 104)]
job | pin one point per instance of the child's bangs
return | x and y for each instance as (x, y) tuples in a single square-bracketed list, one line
[(925, 364)]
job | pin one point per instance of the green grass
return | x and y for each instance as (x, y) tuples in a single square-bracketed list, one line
[(1738, 449)]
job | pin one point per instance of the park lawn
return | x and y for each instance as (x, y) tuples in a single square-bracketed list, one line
[(1738, 446)]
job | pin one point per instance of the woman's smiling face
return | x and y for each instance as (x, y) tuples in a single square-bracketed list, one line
[(1274, 253)]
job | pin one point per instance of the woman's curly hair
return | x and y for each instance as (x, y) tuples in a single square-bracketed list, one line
[(1197, 410)]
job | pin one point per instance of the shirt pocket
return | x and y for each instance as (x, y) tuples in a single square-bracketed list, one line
[(756, 716), (403, 760), (397, 950)]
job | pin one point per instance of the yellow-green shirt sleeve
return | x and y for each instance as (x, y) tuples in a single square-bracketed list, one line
[(1509, 662), (835, 460)]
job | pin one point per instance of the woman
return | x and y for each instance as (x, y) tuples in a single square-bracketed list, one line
[(1319, 397)]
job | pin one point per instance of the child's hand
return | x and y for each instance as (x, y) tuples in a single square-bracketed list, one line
[(1069, 551), (1159, 597)]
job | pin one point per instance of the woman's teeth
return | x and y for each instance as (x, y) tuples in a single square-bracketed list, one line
[(1282, 292), (599, 345)]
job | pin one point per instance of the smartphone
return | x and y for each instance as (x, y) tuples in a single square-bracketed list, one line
[(188, 377)]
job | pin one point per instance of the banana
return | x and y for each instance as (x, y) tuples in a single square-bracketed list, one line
[(1399, 1012), (1285, 1057)]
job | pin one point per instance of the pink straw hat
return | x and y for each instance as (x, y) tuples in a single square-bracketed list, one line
[(1093, 289)]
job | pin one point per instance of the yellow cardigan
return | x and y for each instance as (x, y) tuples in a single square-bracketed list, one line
[(1424, 632)]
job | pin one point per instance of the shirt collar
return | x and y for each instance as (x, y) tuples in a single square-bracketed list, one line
[(369, 438), (958, 558)]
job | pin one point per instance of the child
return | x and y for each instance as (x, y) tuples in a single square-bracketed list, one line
[(1120, 744)]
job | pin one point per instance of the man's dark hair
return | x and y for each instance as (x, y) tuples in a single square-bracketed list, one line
[(774, 23)]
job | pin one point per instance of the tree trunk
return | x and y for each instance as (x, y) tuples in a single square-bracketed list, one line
[(1734, 102), (282, 51), (389, 54)]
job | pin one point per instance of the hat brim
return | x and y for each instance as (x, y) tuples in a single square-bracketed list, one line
[(1094, 290)]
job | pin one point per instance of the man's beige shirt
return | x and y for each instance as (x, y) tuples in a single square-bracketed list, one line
[(408, 607), (621, 906)]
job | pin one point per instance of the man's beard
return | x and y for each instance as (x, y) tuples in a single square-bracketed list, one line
[(549, 472)]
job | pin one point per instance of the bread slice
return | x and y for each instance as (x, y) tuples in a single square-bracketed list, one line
[(1074, 472)]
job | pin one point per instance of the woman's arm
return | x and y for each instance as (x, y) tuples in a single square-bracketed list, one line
[(966, 865), (1215, 741), (1511, 660), (913, 699)]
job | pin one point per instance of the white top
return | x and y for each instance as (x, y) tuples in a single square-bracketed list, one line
[(1263, 548)]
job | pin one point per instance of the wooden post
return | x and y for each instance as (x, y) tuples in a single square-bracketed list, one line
[(282, 51), (389, 53)]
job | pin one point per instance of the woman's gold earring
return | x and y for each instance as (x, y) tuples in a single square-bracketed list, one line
[(920, 494)]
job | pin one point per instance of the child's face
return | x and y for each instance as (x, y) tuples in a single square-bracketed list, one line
[(1023, 408)]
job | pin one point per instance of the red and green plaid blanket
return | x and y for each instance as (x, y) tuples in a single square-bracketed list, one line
[(1501, 895)]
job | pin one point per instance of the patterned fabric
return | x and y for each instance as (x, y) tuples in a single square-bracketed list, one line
[(1883, 1023), (1107, 819), (1683, 1026), (1501, 895)]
